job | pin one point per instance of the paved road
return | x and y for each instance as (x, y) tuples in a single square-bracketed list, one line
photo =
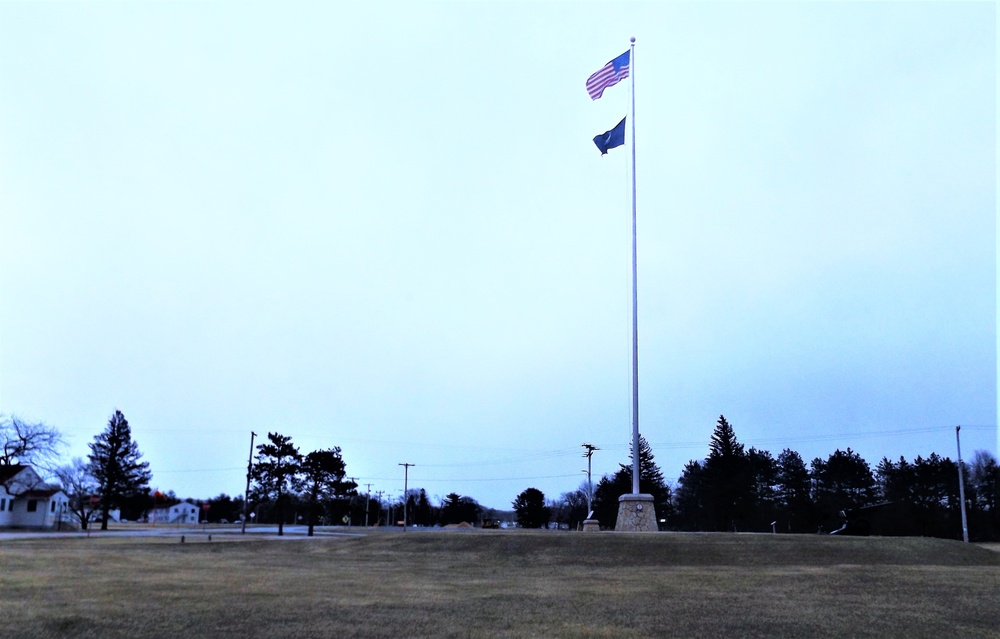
[(194, 532)]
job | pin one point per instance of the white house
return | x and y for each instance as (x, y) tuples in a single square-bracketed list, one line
[(28, 502), (184, 512)]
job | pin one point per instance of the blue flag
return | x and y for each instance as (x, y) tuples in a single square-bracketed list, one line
[(611, 139)]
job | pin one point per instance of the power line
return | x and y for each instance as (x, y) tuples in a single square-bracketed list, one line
[(536, 456), (463, 479), (828, 437), (199, 470)]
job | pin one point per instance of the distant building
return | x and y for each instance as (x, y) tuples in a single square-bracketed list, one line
[(183, 512), (28, 502)]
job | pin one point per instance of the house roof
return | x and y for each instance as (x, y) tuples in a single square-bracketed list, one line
[(36, 488), (9, 471)]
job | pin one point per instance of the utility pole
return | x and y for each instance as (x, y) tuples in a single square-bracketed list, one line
[(406, 477), (246, 495), (588, 453), (961, 487), (368, 499), (350, 502), (379, 493)]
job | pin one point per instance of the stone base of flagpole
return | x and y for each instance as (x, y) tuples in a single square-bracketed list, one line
[(591, 525), (636, 513)]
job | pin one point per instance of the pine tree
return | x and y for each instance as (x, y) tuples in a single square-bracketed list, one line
[(842, 482), (795, 504), (728, 479), (690, 497), (895, 481), (321, 478), (606, 494), (650, 475), (724, 444), (424, 515), (456, 509), (651, 482), (278, 465), (449, 512), (763, 471), (115, 465), (531, 509)]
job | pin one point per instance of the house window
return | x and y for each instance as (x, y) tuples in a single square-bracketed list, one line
[(32, 505), (3, 504), (52, 507)]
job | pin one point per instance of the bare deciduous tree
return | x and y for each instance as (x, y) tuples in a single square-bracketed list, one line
[(81, 487), (30, 443)]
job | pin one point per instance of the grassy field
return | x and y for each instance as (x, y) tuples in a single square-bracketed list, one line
[(499, 584)]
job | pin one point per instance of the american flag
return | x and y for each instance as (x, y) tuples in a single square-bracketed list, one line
[(610, 74)]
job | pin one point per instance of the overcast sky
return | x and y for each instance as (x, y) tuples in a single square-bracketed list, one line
[(384, 226)]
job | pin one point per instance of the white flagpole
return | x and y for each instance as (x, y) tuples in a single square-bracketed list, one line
[(635, 304)]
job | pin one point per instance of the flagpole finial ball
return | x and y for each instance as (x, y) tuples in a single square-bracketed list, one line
[(632, 39)]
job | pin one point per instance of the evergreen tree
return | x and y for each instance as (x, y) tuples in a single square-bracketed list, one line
[(457, 509), (410, 511), (531, 510), (116, 467), (723, 443), (895, 481), (424, 512), (763, 471), (450, 509), (651, 482), (276, 468), (606, 494), (321, 478), (842, 482), (223, 507), (728, 481), (935, 496), (136, 506), (690, 497), (924, 495), (795, 507)]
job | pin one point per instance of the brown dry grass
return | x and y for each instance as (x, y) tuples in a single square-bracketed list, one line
[(501, 584)]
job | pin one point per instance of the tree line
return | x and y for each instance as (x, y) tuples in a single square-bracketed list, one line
[(114, 476), (287, 486), (750, 490), (732, 489)]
